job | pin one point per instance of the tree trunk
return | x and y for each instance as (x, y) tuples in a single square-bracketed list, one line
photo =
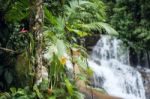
[(36, 25)]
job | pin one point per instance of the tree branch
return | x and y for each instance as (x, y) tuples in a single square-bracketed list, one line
[(6, 49)]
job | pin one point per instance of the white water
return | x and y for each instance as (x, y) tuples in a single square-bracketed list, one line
[(112, 71)]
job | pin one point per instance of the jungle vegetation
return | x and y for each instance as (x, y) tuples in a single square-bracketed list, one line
[(43, 35)]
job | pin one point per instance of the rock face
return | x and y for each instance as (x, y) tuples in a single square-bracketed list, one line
[(145, 72), (90, 41)]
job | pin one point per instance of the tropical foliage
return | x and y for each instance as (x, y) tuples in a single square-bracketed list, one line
[(65, 23), (131, 19)]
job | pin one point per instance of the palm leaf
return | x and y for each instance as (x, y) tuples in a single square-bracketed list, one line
[(99, 26), (50, 17), (83, 10)]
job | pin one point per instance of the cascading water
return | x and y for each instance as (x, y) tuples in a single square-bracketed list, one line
[(112, 71)]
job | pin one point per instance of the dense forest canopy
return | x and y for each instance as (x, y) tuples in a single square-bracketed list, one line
[(42, 35), (131, 19)]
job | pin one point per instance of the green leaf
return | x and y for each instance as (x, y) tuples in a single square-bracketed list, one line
[(5, 95), (78, 32), (35, 88), (49, 16), (44, 85), (147, 38), (81, 63), (13, 90), (58, 91), (18, 11), (81, 77), (109, 29), (52, 97), (142, 35), (61, 48), (89, 71), (69, 86), (79, 95), (21, 91), (99, 26), (23, 97)]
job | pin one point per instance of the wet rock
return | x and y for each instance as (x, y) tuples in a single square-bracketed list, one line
[(145, 73)]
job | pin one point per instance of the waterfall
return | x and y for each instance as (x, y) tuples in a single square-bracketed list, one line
[(112, 72)]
